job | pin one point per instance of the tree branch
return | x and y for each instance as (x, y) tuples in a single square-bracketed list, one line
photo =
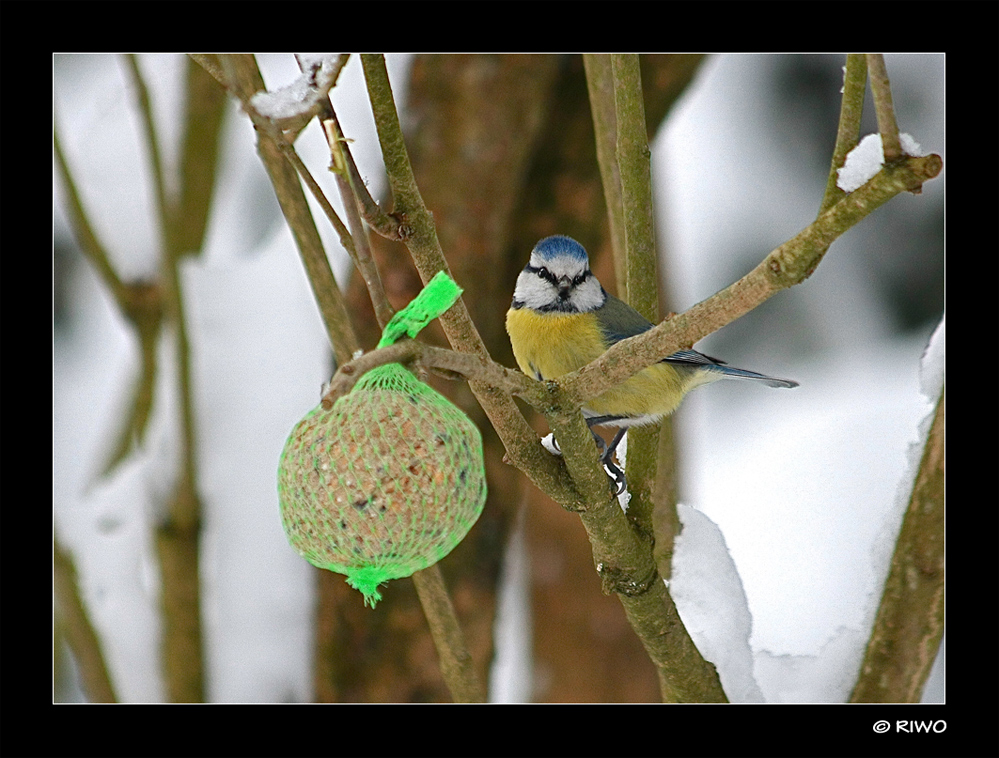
[(140, 303), (603, 108), (448, 363), (362, 251), (457, 665), (80, 633), (632, 157), (522, 444), (787, 265), (910, 620), (848, 131), (883, 107), (623, 554), (387, 224), (244, 80)]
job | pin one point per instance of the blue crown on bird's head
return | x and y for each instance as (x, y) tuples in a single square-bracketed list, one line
[(557, 245)]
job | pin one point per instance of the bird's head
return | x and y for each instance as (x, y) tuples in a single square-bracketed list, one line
[(557, 279)]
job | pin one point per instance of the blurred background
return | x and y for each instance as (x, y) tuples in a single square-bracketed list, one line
[(797, 494)]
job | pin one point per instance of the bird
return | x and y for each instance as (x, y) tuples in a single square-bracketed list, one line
[(562, 318)]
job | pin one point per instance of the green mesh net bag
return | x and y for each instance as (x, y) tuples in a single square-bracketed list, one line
[(391, 478)]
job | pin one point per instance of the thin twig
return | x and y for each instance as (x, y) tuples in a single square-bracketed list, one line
[(363, 259), (353, 240), (848, 131), (632, 155), (84, 233), (287, 149), (600, 85), (210, 64), (387, 224), (440, 360), (80, 633), (152, 145), (141, 303), (457, 665), (198, 165), (883, 107), (245, 80)]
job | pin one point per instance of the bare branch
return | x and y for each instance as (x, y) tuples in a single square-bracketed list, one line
[(787, 265), (848, 132), (79, 631), (457, 665), (910, 621), (881, 90)]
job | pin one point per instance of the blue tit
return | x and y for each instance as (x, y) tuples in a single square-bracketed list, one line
[(562, 319)]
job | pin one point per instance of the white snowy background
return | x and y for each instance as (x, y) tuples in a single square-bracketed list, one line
[(791, 498)]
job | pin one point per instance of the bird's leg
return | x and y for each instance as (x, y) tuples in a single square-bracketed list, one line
[(608, 460), (607, 453)]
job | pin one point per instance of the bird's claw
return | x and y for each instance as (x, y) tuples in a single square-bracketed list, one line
[(616, 475), (614, 472)]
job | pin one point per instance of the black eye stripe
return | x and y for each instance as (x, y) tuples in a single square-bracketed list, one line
[(543, 273), (548, 276)]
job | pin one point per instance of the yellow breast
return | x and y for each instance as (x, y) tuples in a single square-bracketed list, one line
[(548, 345)]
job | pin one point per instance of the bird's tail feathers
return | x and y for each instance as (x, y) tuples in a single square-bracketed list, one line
[(739, 373)]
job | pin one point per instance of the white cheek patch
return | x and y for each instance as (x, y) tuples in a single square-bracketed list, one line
[(588, 296), (533, 291)]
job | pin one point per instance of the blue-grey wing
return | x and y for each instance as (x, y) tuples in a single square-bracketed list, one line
[(618, 321)]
